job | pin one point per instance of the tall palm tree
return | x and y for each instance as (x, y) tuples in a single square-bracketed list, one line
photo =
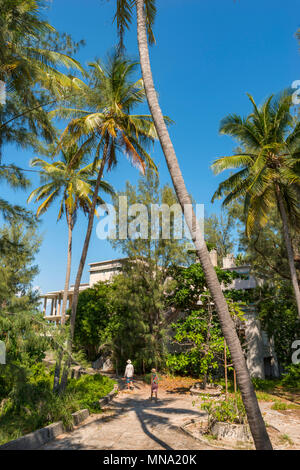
[(106, 123), (29, 80), (73, 182), (268, 164), (23, 61), (145, 10)]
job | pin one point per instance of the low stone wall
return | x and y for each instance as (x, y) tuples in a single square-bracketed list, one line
[(80, 416), (219, 444), (232, 432), (108, 398), (35, 439), (38, 438)]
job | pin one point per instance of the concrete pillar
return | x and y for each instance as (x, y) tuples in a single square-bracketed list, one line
[(214, 257), (274, 361), (59, 304), (255, 346), (55, 305), (228, 261), (45, 305), (52, 305)]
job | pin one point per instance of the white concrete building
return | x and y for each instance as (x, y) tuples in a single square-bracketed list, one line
[(261, 356), (101, 271)]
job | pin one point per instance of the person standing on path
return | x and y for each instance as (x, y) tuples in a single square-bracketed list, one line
[(129, 371), (154, 384)]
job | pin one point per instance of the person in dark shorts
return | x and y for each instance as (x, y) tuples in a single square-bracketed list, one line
[(154, 384)]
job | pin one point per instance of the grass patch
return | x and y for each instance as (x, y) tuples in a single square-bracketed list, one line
[(279, 405), (265, 385), (285, 439), (211, 437), (282, 405), (264, 396)]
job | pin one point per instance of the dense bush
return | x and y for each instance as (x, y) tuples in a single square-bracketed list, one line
[(278, 315), (264, 385), (31, 404), (94, 312), (184, 363), (89, 389), (227, 411), (292, 376)]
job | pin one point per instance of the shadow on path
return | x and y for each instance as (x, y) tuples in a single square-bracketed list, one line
[(153, 418)]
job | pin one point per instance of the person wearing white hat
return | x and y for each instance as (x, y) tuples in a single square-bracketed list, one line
[(129, 371)]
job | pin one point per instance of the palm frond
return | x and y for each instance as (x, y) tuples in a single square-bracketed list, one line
[(232, 161)]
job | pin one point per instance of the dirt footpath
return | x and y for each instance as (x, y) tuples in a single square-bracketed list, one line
[(133, 422)]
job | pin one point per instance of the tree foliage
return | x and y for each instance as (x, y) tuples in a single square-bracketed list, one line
[(267, 160), (94, 319), (198, 344), (19, 246), (218, 233)]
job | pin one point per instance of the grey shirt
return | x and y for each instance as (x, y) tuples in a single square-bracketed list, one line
[(129, 370)]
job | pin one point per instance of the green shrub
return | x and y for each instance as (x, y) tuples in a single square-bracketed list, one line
[(89, 389), (285, 439), (190, 363), (264, 385), (264, 396), (226, 411), (147, 378), (292, 376), (31, 404), (38, 408), (279, 405)]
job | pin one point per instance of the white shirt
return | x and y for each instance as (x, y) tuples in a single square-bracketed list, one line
[(129, 370)]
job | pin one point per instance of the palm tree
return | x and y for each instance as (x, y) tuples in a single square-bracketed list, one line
[(106, 123), (268, 166), (73, 181), (145, 10), (29, 80), (23, 61), (29, 75)]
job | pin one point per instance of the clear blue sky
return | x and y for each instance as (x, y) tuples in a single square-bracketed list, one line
[(209, 54)]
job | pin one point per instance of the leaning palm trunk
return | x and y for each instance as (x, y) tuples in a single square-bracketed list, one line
[(254, 416), (80, 270), (68, 272), (289, 246), (86, 242), (65, 298)]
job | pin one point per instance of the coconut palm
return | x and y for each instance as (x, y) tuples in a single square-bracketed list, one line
[(29, 75), (145, 11), (106, 123), (23, 60), (72, 181), (268, 165), (29, 78)]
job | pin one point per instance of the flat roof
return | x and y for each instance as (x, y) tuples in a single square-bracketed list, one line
[(109, 261)]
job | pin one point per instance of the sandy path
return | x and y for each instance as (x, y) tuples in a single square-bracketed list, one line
[(133, 422)]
